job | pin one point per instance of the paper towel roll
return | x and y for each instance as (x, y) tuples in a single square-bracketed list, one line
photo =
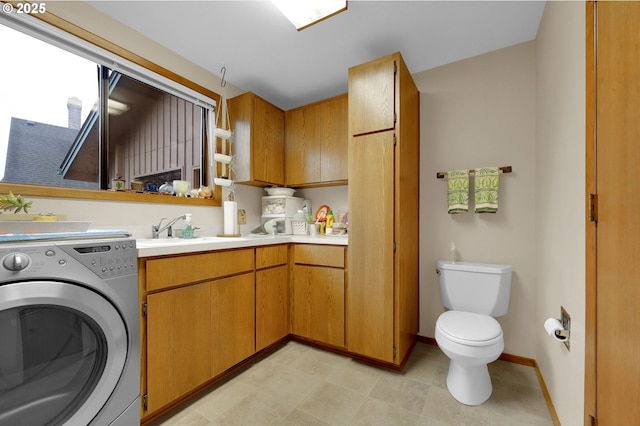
[(230, 211), (551, 325)]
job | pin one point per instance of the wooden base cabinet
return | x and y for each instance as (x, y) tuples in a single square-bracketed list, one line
[(200, 320), (232, 321), (384, 155), (272, 295), (179, 342), (318, 286)]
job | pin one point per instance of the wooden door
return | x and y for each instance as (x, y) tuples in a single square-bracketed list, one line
[(372, 96), (232, 321), (370, 297), (272, 305), (333, 130), (614, 392), (318, 303), (178, 343), (303, 151), (267, 151)]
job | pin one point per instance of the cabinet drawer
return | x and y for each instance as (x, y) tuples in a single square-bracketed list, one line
[(178, 270), (272, 256), (321, 255)]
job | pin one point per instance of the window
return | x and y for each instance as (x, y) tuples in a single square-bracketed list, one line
[(76, 116)]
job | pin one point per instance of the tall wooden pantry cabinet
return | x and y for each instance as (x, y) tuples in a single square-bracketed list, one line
[(384, 156)]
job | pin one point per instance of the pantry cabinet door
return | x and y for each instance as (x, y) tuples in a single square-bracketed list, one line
[(372, 96), (178, 343), (370, 290)]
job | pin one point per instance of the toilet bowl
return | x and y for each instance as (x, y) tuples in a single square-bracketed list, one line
[(468, 333), (470, 341)]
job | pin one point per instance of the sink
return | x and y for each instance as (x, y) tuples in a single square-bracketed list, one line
[(147, 242)]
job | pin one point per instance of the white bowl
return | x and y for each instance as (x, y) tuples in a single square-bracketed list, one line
[(287, 192)]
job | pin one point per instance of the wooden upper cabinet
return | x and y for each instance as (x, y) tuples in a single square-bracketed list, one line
[(316, 143), (302, 146), (372, 96), (259, 140)]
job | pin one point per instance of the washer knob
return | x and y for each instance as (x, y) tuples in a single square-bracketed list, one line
[(16, 262)]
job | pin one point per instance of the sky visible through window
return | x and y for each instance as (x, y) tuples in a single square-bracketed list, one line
[(36, 81)]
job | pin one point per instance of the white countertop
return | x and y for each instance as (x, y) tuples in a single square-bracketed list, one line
[(168, 246)]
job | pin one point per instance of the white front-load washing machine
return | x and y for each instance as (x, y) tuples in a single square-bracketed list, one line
[(69, 333)]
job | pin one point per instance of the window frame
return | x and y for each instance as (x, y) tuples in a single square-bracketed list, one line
[(82, 36)]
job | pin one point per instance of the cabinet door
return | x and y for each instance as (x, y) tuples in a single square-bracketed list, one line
[(333, 128), (318, 303), (178, 342), (259, 140), (316, 142), (372, 96), (303, 146), (232, 321), (272, 305), (267, 152), (370, 295)]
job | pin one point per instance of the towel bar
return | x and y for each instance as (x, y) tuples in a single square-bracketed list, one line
[(503, 169)]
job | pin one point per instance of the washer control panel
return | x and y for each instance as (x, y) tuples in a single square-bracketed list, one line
[(105, 258)]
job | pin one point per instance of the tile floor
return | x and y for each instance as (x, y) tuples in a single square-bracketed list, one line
[(301, 385)]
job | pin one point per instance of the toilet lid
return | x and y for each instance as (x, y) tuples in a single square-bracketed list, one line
[(469, 328)]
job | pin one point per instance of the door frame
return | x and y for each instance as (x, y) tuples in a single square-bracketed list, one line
[(590, 387)]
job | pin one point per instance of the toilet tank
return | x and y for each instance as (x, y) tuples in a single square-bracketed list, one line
[(482, 288)]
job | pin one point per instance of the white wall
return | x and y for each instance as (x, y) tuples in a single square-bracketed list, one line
[(481, 112), (560, 210)]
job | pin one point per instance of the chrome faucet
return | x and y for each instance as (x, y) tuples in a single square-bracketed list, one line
[(156, 229)]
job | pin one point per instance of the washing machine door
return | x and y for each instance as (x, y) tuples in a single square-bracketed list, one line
[(63, 349)]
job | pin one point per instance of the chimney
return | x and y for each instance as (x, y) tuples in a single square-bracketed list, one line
[(74, 105)]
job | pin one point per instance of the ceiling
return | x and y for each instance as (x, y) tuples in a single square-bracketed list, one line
[(263, 52)]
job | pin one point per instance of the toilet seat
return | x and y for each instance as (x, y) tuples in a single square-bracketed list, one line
[(469, 328)]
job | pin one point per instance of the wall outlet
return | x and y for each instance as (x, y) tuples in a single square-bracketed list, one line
[(565, 320), (242, 216)]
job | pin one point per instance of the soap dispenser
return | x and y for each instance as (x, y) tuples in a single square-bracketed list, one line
[(187, 232)]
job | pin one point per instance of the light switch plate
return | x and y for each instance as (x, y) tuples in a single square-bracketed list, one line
[(242, 216)]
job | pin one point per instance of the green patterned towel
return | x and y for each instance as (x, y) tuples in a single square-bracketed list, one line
[(487, 182), (458, 191)]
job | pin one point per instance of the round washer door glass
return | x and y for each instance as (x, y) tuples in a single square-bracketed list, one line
[(62, 353)]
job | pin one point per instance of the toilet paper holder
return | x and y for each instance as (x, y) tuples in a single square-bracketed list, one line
[(562, 334), (560, 329)]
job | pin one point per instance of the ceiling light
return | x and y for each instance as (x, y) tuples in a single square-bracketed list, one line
[(303, 13)]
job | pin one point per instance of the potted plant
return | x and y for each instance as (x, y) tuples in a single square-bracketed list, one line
[(118, 184), (17, 203), (14, 203)]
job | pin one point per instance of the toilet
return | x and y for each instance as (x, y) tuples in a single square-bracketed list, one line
[(468, 333)]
